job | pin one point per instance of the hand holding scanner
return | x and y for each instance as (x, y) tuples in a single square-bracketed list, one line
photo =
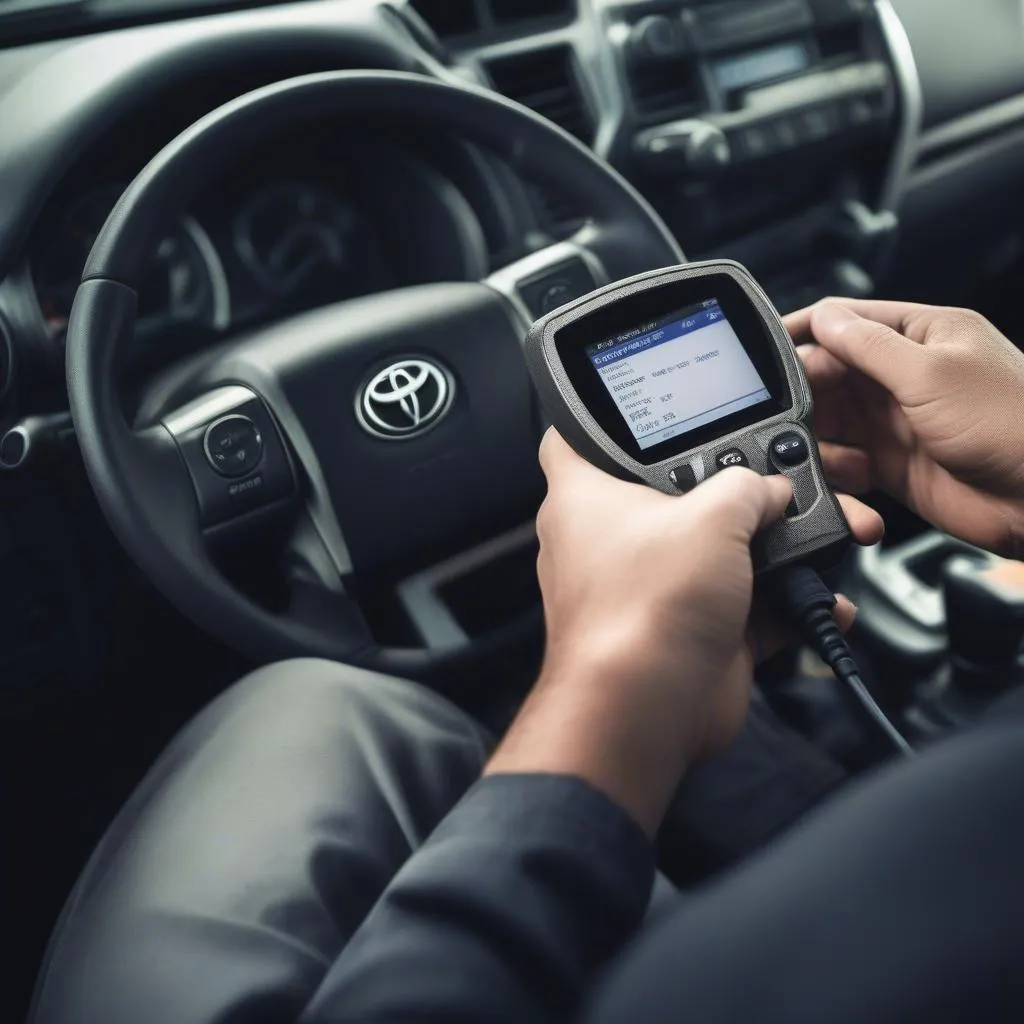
[(671, 376)]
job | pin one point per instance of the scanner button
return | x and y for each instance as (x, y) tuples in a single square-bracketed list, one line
[(684, 478), (790, 450), (733, 457)]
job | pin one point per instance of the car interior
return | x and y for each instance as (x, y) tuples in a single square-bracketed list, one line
[(281, 208)]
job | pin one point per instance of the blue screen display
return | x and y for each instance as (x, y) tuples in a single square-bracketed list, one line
[(679, 373)]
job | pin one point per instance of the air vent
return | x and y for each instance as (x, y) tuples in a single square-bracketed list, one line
[(509, 11), (666, 88), (843, 41), (546, 81), (450, 17)]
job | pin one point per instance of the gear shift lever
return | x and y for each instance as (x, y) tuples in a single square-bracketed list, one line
[(984, 601), (985, 623)]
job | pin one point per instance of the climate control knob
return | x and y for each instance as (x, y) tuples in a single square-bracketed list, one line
[(657, 37)]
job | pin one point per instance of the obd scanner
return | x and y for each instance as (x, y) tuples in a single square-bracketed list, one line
[(672, 376)]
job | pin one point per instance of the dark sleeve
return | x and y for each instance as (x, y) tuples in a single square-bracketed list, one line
[(901, 900), (529, 885)]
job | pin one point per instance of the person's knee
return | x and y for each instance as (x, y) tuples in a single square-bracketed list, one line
[(304, 787), (313, 679), (307, 698), (310, 683)]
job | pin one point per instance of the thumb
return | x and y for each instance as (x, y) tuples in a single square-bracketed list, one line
[(560, 462), (875, 349), (556, 457), (741, 498)]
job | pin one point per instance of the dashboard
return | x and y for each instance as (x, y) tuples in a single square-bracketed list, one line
[(776, 132), (302, 226), (821, 142), (284, 245), (696, 103)]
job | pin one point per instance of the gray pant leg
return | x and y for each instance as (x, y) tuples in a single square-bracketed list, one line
[(254, 848)]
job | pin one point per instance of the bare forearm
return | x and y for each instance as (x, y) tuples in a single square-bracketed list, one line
[(577, 723)]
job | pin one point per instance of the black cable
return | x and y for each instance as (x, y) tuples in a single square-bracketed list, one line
[(809, 604)]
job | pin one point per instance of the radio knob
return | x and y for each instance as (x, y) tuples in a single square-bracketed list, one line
[(657, 37), (695, 146)]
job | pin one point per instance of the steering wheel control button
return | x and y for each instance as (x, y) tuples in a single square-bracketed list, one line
[(733, 457), (233, 445), (405, 399), (556, 287), (234, 453), (789, 450), (684, 478)]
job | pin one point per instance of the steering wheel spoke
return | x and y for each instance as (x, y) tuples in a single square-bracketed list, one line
[(548, 278), (235, 455)]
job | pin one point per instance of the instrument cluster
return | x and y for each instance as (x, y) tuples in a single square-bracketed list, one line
[(243, 257)]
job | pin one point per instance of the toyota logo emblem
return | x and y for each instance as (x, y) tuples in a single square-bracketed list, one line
[(405, 399)]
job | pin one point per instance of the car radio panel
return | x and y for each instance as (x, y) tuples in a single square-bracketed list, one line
[(777, 75)]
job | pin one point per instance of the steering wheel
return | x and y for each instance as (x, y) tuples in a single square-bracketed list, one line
[(363, 433)]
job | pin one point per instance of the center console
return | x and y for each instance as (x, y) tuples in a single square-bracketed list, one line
[(782, 150), (775, 132), (768, 77), (941, 624)]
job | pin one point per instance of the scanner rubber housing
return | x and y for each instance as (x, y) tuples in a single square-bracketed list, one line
[(817, 533)]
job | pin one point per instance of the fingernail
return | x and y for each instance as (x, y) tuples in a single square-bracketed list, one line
[(833, 317)]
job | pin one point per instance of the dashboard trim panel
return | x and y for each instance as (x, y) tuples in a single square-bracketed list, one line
[(419, 595), (207, 408), (507, 280), (975, 127), (911, 105)]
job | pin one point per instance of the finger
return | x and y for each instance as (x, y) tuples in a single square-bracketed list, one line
[(822, 368), (828, 378), (768, 636), (896, 315), (558, 460), (799, 325), (750, 501), (778, 496), (845, 613), (866, 525), (553, 451), (874, 348), (847, 469), (566, 470)]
